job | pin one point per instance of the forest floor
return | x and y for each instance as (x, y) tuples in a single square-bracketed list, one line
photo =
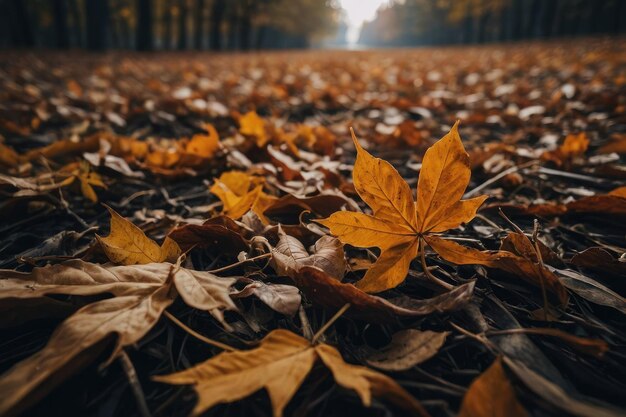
[(235, 156)]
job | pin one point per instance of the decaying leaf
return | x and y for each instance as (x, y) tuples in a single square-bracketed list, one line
[(328, 292), (280, 364), (220, 232), (290, 255), (522, 264), (398, 224), (284, 299), (407, 348), (127, 244)]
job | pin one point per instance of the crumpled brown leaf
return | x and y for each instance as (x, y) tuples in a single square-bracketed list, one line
[(290, 255)]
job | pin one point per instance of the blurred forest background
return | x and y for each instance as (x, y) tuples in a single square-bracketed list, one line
[(278, 24)]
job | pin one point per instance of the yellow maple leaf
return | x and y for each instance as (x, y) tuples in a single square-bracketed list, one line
[(399, 226), (280, 364), (127, 244), (250, 124), (233, 189)]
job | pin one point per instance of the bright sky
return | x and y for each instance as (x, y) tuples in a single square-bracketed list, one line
[(357, 12)]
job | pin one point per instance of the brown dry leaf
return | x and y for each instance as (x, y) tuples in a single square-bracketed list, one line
[(492, 395), (574, 146), (219, 232), (290, 255), (399, 224), (127, 244), (521, 264), (141, 292), (64, 148), (408, 348), (617, 145), (8, 156), (250, 124), (326, 291), (291, 205), (280, 364), (284, 299), (600, 260), (233, 189), (554, 396)]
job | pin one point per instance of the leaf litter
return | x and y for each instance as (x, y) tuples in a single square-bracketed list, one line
[(461, 252)]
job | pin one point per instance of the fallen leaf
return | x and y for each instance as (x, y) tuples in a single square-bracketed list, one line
[(127, 244), (574, 146), (520, 264), (220, 232), (598, 259), (284, 299), (492, 395), (279, 365), (591, 289), (554, 395), (233, 189), (326, 291), (399, 224), (407, 348), (250, 124), (142, 293), (290, 255)]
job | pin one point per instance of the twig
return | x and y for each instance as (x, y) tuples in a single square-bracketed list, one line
[(544, 293), (481, 338), (329, 323), (497, 178), (135, 385), (227, 267), (306, 326), (198, 335)]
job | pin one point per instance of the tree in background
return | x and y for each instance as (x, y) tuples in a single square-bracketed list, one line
[(144, 36), (435, 22), (96, 18), (61, 29)]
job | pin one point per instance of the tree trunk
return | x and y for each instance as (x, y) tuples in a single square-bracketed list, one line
[(198, 25), (245, 29), (59, 10), (21, 30), (217, 15), (144, 25), (77, 23), (232, 34), (260, 37), (182, 25), (97, 12), (167, 23)]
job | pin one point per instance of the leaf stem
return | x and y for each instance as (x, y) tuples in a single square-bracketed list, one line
[(422, 246), (198, 335)]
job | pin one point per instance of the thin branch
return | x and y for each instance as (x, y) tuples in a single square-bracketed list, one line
[(227, 267), (329, 323), (135, 385), (198, 335)]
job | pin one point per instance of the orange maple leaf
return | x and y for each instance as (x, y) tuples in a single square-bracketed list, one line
[(399, 226)]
